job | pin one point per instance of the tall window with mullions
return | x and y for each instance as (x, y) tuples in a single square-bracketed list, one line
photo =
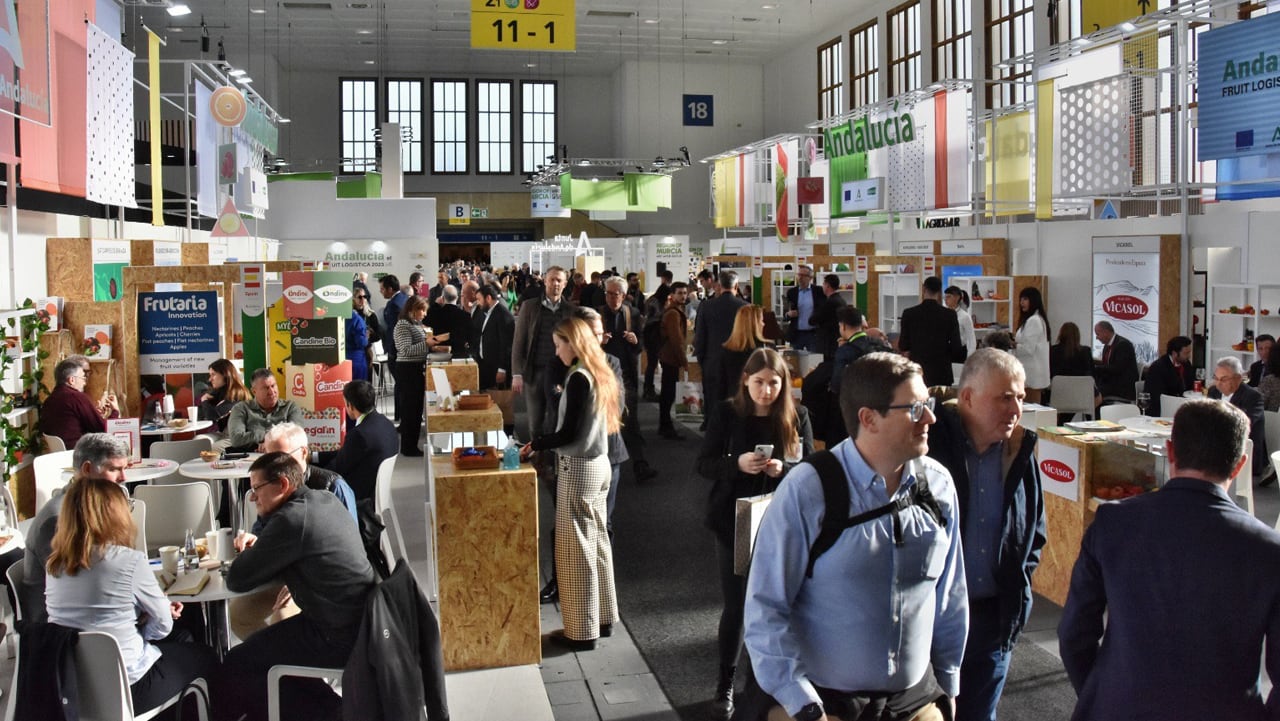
[(449, 127), (494, 145), (952, 40), (1010, 34), (359, 124), (904, 48), (537, 124), (831, 79), (864, 65), (404, 106)]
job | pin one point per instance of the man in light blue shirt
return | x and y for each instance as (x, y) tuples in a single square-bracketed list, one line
[(885, 611)]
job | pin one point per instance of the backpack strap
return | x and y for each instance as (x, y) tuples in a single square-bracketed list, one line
[(835, 496), (835, 491)]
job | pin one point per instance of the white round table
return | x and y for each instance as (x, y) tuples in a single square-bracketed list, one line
[(144, 470), (214, 597), (205, 471), (1149, 425), (166, 431)]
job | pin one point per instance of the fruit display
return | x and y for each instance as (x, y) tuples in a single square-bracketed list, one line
[(1246, 309), (1118, 491)]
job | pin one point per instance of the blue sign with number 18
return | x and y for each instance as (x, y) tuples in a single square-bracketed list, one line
[(699, 110)]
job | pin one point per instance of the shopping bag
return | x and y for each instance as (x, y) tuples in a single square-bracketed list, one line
[(746, 523), (688, 398), (506, 402)]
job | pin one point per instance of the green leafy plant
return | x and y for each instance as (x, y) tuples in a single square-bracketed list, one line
[(15, 436)]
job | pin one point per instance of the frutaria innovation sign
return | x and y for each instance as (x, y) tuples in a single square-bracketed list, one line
[(177, 332), (1239, 89)]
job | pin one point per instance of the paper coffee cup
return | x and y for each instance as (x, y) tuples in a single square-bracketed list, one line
[(169, 559), (226, 545), (211, 544), (193, 413)]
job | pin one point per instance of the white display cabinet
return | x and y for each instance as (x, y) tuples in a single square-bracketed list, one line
[(1235, 317), (992, 306), (782, 280), (21, 361), (898, 291)]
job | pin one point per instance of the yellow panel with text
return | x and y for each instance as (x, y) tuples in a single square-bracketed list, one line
[(1098, 15), (546, 25)]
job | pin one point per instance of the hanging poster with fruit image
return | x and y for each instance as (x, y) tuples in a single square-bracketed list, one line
[(109, 260), (97, 341)]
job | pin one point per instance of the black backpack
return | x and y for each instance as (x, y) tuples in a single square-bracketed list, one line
[(835, 494)]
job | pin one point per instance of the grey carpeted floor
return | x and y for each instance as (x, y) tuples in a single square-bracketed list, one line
[(670, 598)]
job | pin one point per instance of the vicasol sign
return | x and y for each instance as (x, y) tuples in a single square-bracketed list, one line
[(1056, 470), (1125, 307)]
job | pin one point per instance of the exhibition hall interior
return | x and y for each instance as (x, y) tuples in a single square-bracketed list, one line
[(333, 290)]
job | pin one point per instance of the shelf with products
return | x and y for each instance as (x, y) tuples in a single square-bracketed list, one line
[(898, 291), (990, 301), (1234, 318)]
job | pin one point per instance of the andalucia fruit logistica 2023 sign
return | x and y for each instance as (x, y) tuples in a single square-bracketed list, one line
[(1239, 93)]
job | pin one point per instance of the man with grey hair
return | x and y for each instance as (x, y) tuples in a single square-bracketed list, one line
[(1182, 584), (292, 438), (450, 324), (96, 455), (711, 328), (1229, 386), (1002, 521), (250, 420), (623, 330), (69, 412)]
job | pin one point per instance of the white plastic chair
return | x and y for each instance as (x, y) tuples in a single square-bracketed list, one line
[(53, 444), (103, 684), (181, 452), (1072, 394), (1170, 405), (331, 675), (138, 511), (48, 470), (392, 541), (1242, 483), (173, 510), (1117, 411), (16, 573), (382, 483)]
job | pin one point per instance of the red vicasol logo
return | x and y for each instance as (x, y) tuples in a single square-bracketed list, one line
[(1057, 470), (1125, 307)]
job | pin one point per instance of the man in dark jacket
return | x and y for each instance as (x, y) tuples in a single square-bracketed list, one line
[(1262, 345), (1170, 374), (1117, 372), (930, 335), (824, 319), (448, 318), (309, 543), (623, 327), (373, 440), (803, 300), (1229, 386), (1002, 518), (711, 328), (492, 349), (1182, 584)]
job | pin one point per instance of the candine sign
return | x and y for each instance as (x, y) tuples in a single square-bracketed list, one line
[(1059, 469)]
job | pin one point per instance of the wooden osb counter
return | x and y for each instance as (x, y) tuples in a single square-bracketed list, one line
[(462, 376), (1101, 461), (487, 562), (439, 421)]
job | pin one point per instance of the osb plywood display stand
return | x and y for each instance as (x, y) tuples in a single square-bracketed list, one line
[(70, 264), (462, 376), (487, 562)]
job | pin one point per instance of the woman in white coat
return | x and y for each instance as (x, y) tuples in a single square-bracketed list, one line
[(1033, 342), (958, 300)]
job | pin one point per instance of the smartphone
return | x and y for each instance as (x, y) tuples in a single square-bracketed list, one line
[(764, 450), (240, 456)]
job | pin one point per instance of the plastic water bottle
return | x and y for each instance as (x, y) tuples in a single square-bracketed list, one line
[(189, 553), (511, 455)]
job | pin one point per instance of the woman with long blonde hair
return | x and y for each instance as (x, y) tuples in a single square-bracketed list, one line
[(752, 441), (589, 412), (747, 335), (98, 582)]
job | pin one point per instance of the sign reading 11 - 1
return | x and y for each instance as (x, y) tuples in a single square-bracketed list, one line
[(523, 25)]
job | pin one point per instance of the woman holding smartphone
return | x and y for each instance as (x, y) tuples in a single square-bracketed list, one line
[(754, 438)]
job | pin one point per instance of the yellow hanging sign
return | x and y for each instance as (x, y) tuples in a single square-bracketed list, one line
[(547, 25), (1098, 15)]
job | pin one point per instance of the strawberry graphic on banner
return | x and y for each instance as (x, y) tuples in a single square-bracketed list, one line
[(781, 197)]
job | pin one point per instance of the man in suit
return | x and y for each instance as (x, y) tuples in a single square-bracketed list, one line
[(1262, 345), (803, 300), (1229, 386), (373, 440), (390, 288), (449, 319), (1181, 584), (1170, 374), (930, 335), (825, 317), (623, 327), (1117, 372), (711, 328), (493, 348)]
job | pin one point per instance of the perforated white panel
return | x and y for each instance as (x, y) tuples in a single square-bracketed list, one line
[(1096, 137), (109, 123)]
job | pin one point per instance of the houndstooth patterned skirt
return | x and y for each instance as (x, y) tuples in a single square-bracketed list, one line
[(584, 558)]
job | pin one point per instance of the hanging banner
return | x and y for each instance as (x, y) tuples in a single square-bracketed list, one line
[(544, 202), (153, 117), (250, 322), (319, 294), (785, 206), (861, 268), (1239, 89), (109, 260), (1126, 291), (1007, 164), (110, 136), (1059, 469), (177, 332)]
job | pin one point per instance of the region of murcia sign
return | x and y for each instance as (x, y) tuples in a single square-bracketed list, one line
[(546, 25)]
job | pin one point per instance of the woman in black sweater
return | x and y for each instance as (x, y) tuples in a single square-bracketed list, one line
[(760, 412)]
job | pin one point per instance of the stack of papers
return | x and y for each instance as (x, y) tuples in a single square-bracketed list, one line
[(186, 584)]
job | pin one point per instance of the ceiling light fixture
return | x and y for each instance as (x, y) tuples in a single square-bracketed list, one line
[(364, 32), (284, 120), (719, 42), (1128, 27), (531, 65), (652, 21), (258, 11), (244, 80), (371, 62), (768, 6), (236, 73), (178, 10)]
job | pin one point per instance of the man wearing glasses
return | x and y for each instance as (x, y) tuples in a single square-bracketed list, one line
[(803, 300), (883, 608), (308, 542), (991, 457), (68, 412)]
